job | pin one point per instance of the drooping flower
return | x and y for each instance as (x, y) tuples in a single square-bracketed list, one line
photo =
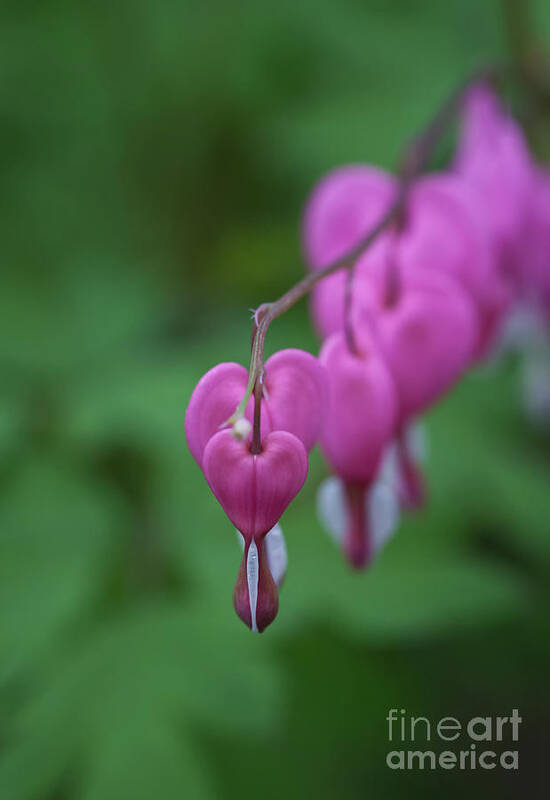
[(342, 208), (439, 231), (254, 489), (360, 422), (294, 399), (493, 157), (427, 332)]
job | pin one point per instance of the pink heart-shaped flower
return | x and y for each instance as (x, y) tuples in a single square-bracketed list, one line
[(427, 334), (295, 395), (215, 398), (444, 233), (493, 156), (254, 490), (343, 206), (362, 408), (294, 399)]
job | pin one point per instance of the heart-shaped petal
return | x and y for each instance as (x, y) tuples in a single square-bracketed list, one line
[(254, 490), (296, 394), (444, 233), (214, 399), (327, 304), (493, 156), (428, 336), (342, 208), (362, 408)]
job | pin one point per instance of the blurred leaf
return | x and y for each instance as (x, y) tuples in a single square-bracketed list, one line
[(67, 318), (55, 537), (151, 678)]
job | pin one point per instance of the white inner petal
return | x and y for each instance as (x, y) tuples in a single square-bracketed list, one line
[(383, 513), (389, 469), (252, 575), (332, 509), (276, 554), (523, 329), (416, 438)]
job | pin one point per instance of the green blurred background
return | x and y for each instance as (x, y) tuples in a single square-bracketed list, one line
[(155, 160)]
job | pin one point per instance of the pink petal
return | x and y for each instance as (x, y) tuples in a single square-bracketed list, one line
[(427, 336), (327, 304), (296, 394), (493, 156), (213, 401), (342, 208), (362, 409), (444, 233), (254, 490)]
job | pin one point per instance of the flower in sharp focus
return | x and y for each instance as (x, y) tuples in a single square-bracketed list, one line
[(254, 489)]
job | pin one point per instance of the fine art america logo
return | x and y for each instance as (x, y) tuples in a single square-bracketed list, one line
[(481, 745)]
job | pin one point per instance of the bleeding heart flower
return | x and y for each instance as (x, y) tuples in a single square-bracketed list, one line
[(493, 156), (342, 208), (294, 399), (214, 399), (254, 491), (441, 232), (360, 422), (427, 333), (295, 394)]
